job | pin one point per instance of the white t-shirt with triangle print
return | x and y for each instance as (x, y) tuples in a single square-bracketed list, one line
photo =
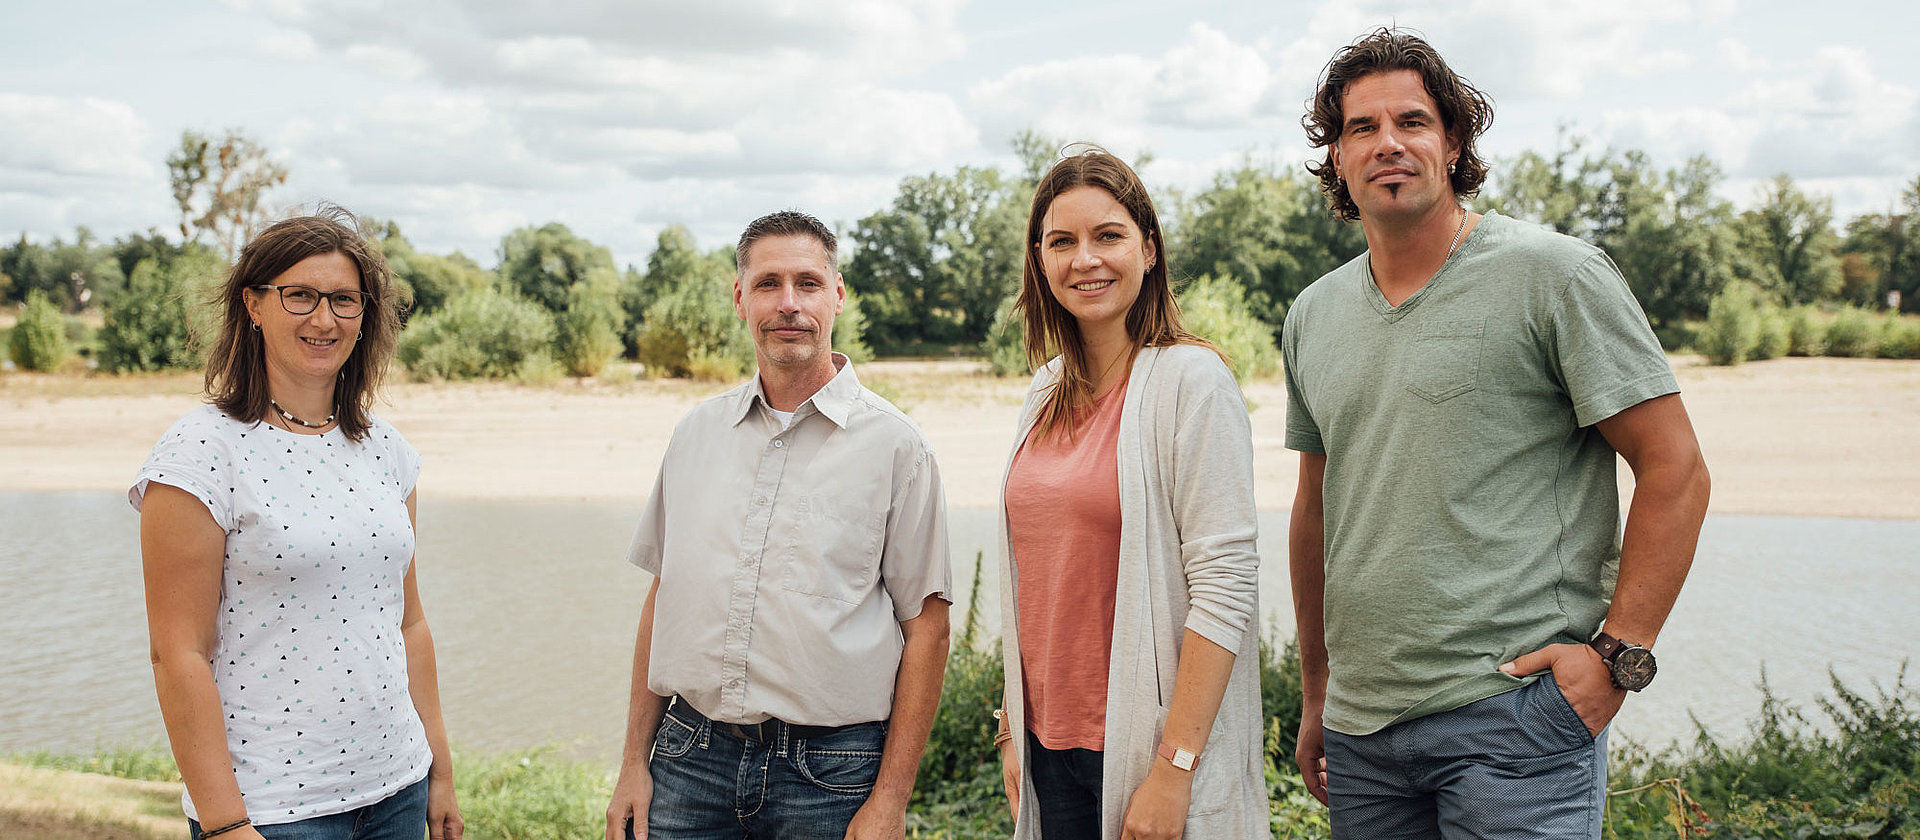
[(309, 662)]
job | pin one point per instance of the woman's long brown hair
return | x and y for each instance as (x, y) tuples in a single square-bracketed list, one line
[(1154, 319)]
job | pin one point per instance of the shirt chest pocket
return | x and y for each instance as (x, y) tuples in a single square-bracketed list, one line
[(833, 548), (1445, 359)]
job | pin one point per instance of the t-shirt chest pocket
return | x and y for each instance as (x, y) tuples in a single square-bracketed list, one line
[(1445, 359)]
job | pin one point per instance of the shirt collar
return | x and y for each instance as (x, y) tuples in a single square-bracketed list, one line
[(834, 400)]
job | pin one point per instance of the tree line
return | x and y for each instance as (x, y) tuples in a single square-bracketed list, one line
[(935, 269)]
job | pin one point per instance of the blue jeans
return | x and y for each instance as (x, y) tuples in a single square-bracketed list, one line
[(1066, 790), (1515, 765), (402, 816), (710, 782)]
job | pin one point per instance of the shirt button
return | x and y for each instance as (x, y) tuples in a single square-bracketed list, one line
[(759, 500), (779, 444)]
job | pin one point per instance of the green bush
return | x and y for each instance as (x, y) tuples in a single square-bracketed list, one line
[(1732, 331), (1776, 334), (959, 794), (1856, 776), (1006, 345), (692, 331), (39, 341), (531, 795), (152, 320), (1899, 338), (849, 327), (1216, 309), (488, 334), (1806, 336), (1851, 334), (588, 331)]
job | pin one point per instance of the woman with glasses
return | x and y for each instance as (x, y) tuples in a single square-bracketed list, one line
[(291, 657), (1129, 592)]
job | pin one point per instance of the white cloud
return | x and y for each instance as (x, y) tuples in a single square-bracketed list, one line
[(390, 61), (289, 46), (1734, 55), (73, 137), (1829, 117), (1099, 98), (1207, 79)]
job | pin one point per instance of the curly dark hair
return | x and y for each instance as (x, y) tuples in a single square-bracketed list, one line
[(1464, 110)]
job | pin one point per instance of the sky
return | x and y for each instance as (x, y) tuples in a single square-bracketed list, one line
[(462, 120)]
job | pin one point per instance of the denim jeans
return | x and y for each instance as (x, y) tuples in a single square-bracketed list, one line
[(402, 816), (711, 783), (1066, 790), (1515, 765)]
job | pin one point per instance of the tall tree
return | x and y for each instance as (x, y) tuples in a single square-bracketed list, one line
[(1269, 232), (543, 263), (1563, 192), (218, 186), (1671, 236), (934, 265), (1789, 243), (1881, 253), (72, 275)]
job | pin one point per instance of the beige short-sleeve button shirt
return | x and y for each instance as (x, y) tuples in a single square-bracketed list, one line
[(788, 557)]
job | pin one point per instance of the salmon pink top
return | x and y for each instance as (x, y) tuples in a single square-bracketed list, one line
[(1063, 524)]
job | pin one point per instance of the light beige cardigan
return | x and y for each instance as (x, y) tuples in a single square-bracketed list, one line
[(1187, 561)]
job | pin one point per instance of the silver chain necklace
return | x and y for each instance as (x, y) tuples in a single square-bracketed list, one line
[(1456, 234), (297, 421)]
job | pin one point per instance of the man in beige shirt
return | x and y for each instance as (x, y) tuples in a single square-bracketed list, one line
[(792, 646)]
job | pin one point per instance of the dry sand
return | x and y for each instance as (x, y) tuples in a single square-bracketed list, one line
[(1820, 437)]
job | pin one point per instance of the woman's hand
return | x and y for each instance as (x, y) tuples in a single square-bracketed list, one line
[(1010, 776), (1158, 809), (443, 812)]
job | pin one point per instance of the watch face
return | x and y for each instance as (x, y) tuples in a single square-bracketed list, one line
[(1633, 668)]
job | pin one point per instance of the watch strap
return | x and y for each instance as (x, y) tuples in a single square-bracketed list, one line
[(1178, 757), (1605, 645)]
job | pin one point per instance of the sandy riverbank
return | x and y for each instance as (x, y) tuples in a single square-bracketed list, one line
[(1817, 437)]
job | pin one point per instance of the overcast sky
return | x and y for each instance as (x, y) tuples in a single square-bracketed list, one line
[(464, 120)]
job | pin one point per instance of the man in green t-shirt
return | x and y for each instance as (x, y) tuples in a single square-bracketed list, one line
[(1470, 617)]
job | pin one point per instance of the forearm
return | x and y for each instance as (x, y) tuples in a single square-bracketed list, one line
[(1306, 552), (644, 707), (423, 685), (1199, 684), (1657, 546), (190, 708), (916, 695)]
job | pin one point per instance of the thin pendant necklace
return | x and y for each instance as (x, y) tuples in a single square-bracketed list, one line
[(297, 421)]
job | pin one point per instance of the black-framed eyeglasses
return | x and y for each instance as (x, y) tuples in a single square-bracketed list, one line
[(301, 300)]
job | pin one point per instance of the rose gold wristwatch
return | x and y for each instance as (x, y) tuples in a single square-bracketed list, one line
[(1182, 758)]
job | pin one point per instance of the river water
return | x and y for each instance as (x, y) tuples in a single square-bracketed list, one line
[(533, 610)]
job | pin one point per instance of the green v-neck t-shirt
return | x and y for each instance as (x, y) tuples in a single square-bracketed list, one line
[(1471, 507)]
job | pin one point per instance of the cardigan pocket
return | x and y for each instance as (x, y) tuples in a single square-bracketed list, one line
[(1213, 779)]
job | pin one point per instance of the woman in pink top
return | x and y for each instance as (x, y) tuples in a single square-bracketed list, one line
[(1129, 590)]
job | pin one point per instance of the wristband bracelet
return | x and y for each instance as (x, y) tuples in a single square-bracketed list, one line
[(226, 828), (1002, 732)]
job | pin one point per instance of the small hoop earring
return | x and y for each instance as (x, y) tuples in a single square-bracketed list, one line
[(256, 326)]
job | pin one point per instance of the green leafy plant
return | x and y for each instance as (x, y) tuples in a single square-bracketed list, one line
[(39, 341)]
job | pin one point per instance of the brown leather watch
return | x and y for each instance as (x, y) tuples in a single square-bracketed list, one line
[(1631, 666), (1181, 758)]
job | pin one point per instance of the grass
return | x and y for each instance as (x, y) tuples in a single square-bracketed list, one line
[(1855, 773)]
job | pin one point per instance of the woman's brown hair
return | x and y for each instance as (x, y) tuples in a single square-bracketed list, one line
[(236, 362), (1154, 319)]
